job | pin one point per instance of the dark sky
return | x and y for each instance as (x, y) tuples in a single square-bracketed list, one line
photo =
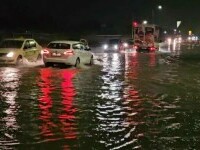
[(91, 16)]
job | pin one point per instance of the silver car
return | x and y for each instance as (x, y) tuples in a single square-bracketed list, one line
[(71, 53)]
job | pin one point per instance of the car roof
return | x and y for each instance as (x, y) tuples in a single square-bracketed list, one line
[(18, 39), (66, 41)]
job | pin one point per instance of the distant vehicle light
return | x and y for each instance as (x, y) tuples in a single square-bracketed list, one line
[(169, 40), (45, 51), (10, 54), (135, 47), (152, 48), (115, 46), (105, 46), (125, 44), (179, 40)]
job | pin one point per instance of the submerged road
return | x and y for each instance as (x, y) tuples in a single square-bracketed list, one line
[(125, 100)]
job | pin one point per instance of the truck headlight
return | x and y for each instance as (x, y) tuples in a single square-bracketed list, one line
[(10, 54)]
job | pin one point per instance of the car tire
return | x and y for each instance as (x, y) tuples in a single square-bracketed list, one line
[(91, 61), (19, 61), (77, 64)]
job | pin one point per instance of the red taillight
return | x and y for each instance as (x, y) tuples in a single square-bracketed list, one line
[(135, 47), (152, 48), (69, 52), (45, 51)]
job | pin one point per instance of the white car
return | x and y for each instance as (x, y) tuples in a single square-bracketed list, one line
[(15, 50), (67, 52)]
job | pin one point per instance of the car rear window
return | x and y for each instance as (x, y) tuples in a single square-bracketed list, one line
[(58, 46)]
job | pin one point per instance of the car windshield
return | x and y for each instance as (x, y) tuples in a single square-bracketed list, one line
[(11, 44), (59, 46), (130, 42), (114, 41)]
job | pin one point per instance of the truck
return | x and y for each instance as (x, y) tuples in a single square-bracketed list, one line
[(146, 37)]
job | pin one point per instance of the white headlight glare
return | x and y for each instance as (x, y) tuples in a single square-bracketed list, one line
[(105, 46), (10, 54), (115, 47), (125, 44)]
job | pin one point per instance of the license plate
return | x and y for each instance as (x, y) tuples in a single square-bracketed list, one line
[(56, 54)]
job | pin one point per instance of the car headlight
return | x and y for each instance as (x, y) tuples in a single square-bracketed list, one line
[(125, 44), (10, 54), (105, 46), (115, 46)]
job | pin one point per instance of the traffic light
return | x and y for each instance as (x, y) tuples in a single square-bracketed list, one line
[(135, 24)]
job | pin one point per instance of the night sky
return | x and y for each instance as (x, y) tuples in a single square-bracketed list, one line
[(95, 16)]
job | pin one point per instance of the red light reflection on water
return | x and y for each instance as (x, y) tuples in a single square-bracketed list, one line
[(131, 66), (152, 59), (45, 104), (132, 95), (66, 126), (68, 92)]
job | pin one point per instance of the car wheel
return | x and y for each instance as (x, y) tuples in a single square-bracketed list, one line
[(91, 61), (19, 61), (77, 64)]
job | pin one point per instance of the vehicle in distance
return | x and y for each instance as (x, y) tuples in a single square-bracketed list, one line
[(113, 44), (143, 46), (15, 50), (71, 53), (129, 45)]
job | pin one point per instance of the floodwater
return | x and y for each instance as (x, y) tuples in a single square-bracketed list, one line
[(124, 101)]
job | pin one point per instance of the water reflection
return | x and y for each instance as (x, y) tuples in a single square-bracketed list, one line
[(132, 98), (10, 81), (45, 104), (114, 115), (51, 130), (67, 118), (109, 111)]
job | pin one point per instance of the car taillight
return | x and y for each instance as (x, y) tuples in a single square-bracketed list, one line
[(135, 47), (45, 51), (152, 48), (69, 52)]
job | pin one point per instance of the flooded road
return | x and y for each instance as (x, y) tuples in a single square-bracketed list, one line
[(124, 101)]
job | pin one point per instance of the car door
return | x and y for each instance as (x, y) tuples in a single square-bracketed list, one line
[(86, 54), (78, 51), (26, 49), (30, 50), (34, 50)]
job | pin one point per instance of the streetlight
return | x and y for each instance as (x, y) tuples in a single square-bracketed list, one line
[(145, 22), (159, 7)]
